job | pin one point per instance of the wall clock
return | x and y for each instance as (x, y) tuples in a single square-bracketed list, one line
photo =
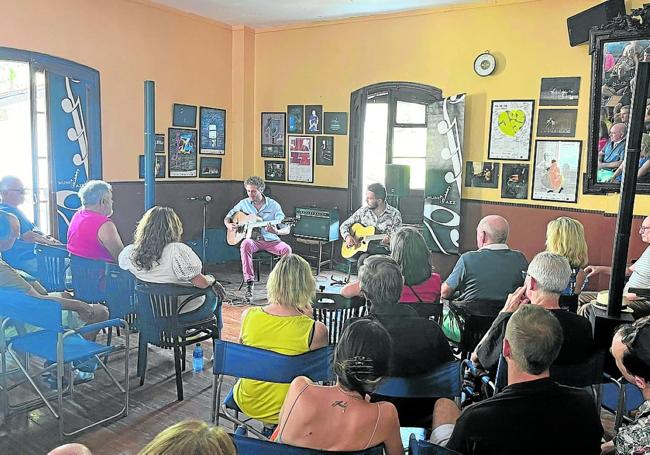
[(485, 64)]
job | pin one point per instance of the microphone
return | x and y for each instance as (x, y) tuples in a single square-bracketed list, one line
[(206, 198)]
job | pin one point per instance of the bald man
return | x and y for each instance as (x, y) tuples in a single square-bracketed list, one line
[(491, 272), (611, 156)]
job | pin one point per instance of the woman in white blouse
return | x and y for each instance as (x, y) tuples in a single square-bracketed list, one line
[(158, 256)]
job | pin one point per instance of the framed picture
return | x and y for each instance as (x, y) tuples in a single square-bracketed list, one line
[(273, 134), (511, 128), (336, 123), (301, 159), (295, 118), (274, 171), (160, 143), (325, 150), (559, 91), (210, 167), (514, 181), (482, 174), (313, 119), (556, 170), (160, 166), (556, 122), (212, 131), (184, 116), (182, 152)]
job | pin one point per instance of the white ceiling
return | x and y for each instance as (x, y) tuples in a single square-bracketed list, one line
[(272, 13)]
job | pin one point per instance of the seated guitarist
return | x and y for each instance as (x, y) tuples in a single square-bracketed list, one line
[(265, 238), (377, 213)]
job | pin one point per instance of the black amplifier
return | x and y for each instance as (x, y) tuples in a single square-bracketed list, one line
[(316, 224)]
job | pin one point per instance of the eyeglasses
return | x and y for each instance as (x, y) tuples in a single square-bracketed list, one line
[(21, 191), (524, 274), (644, 228), (629, 338)]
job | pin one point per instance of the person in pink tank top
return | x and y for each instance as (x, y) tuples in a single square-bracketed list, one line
[(91, 233)]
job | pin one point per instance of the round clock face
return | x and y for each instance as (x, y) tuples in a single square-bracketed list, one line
[(484, 64)]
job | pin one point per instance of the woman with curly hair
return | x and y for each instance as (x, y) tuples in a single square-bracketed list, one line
[(157, 255)]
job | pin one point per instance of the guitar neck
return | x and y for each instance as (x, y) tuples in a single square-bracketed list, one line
[(262, 223), (370, 238)]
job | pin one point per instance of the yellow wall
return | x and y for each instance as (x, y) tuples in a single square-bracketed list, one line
[(323, 64), (128, 42)]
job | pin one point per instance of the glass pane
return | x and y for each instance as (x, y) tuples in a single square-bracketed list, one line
[(410, 113), (409, 142), (417, 171), (43, 176), (374, 145)]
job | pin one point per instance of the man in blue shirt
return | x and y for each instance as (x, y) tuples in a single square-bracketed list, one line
[(611, 156), (265, 238), (21, 255)]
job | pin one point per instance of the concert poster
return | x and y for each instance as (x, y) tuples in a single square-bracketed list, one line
[(511, 129), (182, 152), (301, 159), (212, 127)]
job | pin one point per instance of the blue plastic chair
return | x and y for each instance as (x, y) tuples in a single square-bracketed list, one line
[(443, 382), (52, 263), (57, 345), (88, 279), (621, 398), (253, 446), (120, 293), (241, 361), (419, 447)]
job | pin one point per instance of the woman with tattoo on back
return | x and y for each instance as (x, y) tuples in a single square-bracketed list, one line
[(341, 417)]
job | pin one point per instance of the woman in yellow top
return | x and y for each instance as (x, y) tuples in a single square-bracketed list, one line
[(286, 326)]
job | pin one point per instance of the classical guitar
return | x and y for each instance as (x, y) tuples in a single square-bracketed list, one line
[(364, 235), (245, 225)]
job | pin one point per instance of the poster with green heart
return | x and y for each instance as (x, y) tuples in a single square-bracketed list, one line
[(511, 128)]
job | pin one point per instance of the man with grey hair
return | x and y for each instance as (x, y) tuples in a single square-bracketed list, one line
[(91, 233), (419, 345), (21, 256), (265, 238), (546, 278), (533, 414), (611, 156), (492, 271)]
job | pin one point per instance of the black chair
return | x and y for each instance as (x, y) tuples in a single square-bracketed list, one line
[(428, 310), (474, 319), (52, 263), (418, 447), (332, 309), (569, 302), (259, 258), (161, 323)]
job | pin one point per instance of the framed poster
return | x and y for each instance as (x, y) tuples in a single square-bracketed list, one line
[(160, 166), (210, 167), (295, 118), (559, 91), (325, 150), (511, 128), (314, 119), (556, 122), (160, 143), (274, 171), (184, 115), (556, 170), (301, 159), (514, 181), (182, 152), (482, 174), (336, 123), (212, 131), (273, 134)]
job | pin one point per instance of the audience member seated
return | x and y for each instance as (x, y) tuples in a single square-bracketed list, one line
[(21, 256), (611, 156), (533, 415), (286, 326), (419, 345), (340, 417), (10, 280), (639, 278), (158, 256), (191, 437), (547, 276), (91, 233), (631, 351), (421, 283), (491, 272), (643, 166), (566, 237), (71, 449)]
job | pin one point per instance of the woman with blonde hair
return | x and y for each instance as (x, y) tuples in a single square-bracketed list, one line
[(566, 237), (285, 326), (190, 437), (157, 255)]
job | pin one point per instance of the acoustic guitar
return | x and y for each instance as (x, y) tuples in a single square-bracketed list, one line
[(245, 225), (364, 235)]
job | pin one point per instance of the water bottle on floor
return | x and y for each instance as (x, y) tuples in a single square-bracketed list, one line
[(197, 358)]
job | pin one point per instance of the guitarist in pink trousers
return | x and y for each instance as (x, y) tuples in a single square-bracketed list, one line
[(265, 238)]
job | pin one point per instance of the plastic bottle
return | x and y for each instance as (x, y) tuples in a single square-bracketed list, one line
[(197, 358)]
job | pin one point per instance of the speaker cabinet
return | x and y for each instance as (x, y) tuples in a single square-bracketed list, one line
[(398, 180)]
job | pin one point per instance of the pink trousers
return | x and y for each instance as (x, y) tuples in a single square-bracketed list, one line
[(250, 246)]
